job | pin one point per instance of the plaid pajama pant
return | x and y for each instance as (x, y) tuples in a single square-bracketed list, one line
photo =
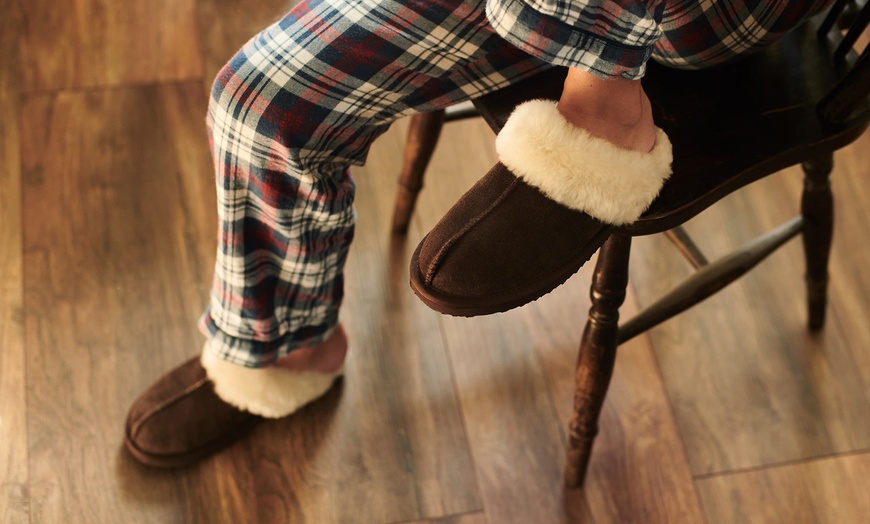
[(304, 99)]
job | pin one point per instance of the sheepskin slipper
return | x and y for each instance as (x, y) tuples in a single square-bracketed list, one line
[(267, 392), (528, 225), (207, 403), (180, 420)]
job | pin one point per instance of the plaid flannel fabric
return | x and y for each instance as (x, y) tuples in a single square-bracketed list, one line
[(612, 38), (605, 37), (698, 34), (291, 111), (303, 100)]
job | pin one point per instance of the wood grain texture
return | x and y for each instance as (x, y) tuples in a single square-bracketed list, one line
[(116, 275), (390, 445), (439, 420), (511, 420), (515, 376), (750, 385), (822, 491), (90, 43), (13, 407), (639, 471), (113, 282)]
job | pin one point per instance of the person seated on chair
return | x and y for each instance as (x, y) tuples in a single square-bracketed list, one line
[(304, 99)]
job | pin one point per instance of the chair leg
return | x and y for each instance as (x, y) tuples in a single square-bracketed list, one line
[(597, 353), (817, 208), (422, 137)]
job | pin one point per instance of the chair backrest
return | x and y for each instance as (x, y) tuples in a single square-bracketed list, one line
[(849, 97)]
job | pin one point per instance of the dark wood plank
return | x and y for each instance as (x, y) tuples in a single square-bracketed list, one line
[(515, 377), (13, 408), (405, 363), (750, 385), (114, 255), (116, 275), (118, 207), (822, 491), (101, 43), (390, 445), (386, 446), (517, 441), (639, 471)]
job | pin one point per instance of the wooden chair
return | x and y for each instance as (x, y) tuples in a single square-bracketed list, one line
[(795, 103)]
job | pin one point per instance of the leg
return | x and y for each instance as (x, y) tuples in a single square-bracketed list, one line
[(298, 105), (290, 113), (567, 172), (422, 137), (599, 154), (597, 353), (817, 207)]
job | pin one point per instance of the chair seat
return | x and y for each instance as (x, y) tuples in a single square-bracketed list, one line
[(729, 125)]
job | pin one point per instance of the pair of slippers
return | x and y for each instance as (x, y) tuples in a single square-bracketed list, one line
[(541, 213), (526, 227)]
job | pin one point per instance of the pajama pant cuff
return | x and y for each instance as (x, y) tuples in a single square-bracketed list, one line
[(259, 354), (557, 42)]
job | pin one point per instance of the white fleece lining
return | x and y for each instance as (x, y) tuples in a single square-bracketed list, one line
[(578, 170), (267, 392)]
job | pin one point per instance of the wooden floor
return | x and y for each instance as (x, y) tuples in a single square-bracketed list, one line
[(732, 413)]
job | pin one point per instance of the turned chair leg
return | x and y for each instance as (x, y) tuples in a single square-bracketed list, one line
[(817, 208), (422, 137), (597, 353)]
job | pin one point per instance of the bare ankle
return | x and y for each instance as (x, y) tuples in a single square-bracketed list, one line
[(616, 110)]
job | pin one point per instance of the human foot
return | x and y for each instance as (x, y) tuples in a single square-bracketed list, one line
[(616, 110), (206, 403), (542, 212)]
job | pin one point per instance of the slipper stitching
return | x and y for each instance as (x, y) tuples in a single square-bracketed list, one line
[(442, 252)]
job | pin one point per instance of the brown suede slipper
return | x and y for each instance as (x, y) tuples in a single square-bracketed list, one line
[(180, 420), (207, 403), (536, 217)]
